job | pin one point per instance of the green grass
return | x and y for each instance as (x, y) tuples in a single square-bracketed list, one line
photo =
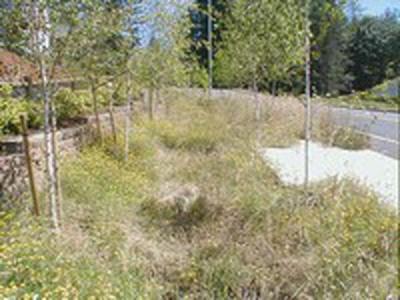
[(375, 103), (374, 99), (249, 234)]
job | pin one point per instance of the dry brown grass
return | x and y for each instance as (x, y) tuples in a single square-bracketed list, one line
[(250, 237), (326, 132)]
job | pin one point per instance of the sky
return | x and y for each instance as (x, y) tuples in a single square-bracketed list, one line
[(377, 7)]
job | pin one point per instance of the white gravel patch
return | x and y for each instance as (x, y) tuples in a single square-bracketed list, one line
[(376, 171)]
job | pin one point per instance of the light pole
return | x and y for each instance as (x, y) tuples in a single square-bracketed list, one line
[(210, 49)]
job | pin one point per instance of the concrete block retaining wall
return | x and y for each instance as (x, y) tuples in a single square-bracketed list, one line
[(13, 171)]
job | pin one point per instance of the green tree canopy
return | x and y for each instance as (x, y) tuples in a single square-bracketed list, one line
[(263, 41), (374, 50), (199, 29)]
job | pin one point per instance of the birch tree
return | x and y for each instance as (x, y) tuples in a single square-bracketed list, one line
[(106, 38), (44, 30), (48, 33)]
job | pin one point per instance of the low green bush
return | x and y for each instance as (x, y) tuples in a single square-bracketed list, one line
[(197, 137), (71, 104), (328, 133), (12, 108), (348, 138)]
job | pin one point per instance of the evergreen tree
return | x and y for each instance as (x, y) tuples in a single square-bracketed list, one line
[(199, 30), (329, 59), (374, 50)]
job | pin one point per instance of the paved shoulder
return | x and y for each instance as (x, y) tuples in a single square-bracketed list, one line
[(381, 127)]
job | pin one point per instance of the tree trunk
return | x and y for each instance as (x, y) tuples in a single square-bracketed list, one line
[(96, 111), (144, 94), (55, 162), (166, 103), (157, 101), (52, 184), (128, 122), (41, 46), (210, 48), (274, 88), (307, 125), (257, 101), (150, 104), (112, 120)]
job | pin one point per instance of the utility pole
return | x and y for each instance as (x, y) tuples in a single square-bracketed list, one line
[(210, 50), (307, 127)]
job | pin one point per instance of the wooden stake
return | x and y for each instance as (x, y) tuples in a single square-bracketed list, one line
[(28, 158)]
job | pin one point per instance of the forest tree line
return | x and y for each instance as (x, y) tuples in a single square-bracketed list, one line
[(350, 50)]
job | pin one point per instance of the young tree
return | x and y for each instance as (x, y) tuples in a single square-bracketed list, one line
[(307, 123), (164, 61), (264, 39), (106, 38), (199, 30), (374, 49), (44, 30), (49, 32), (329, 44)]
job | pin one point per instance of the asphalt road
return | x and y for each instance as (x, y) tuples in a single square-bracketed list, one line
[(381, 127)]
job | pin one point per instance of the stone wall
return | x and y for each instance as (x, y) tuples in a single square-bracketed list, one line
[(13, 171)]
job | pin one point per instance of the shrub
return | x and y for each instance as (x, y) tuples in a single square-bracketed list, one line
[(12, 108), (348, 138), (70, 104), (342, 137)]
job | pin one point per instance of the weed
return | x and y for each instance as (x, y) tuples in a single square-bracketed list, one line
[(246, 236), (342, 137)]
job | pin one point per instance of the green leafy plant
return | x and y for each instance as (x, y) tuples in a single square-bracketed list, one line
[(70, 104), (12, 108)]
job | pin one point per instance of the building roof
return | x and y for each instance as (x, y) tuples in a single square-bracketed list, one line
[(14, 68)]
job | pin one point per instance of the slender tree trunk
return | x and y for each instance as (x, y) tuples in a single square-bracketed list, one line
[(157, 101), (49, 149), (166, 103), (210, 49), (55, 162), (112, 120), (257, 101), (128, 122), (41, 46), (144, 95), (307, 124), (257, 112), (274, 88), (96, 111), (150, 104)]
